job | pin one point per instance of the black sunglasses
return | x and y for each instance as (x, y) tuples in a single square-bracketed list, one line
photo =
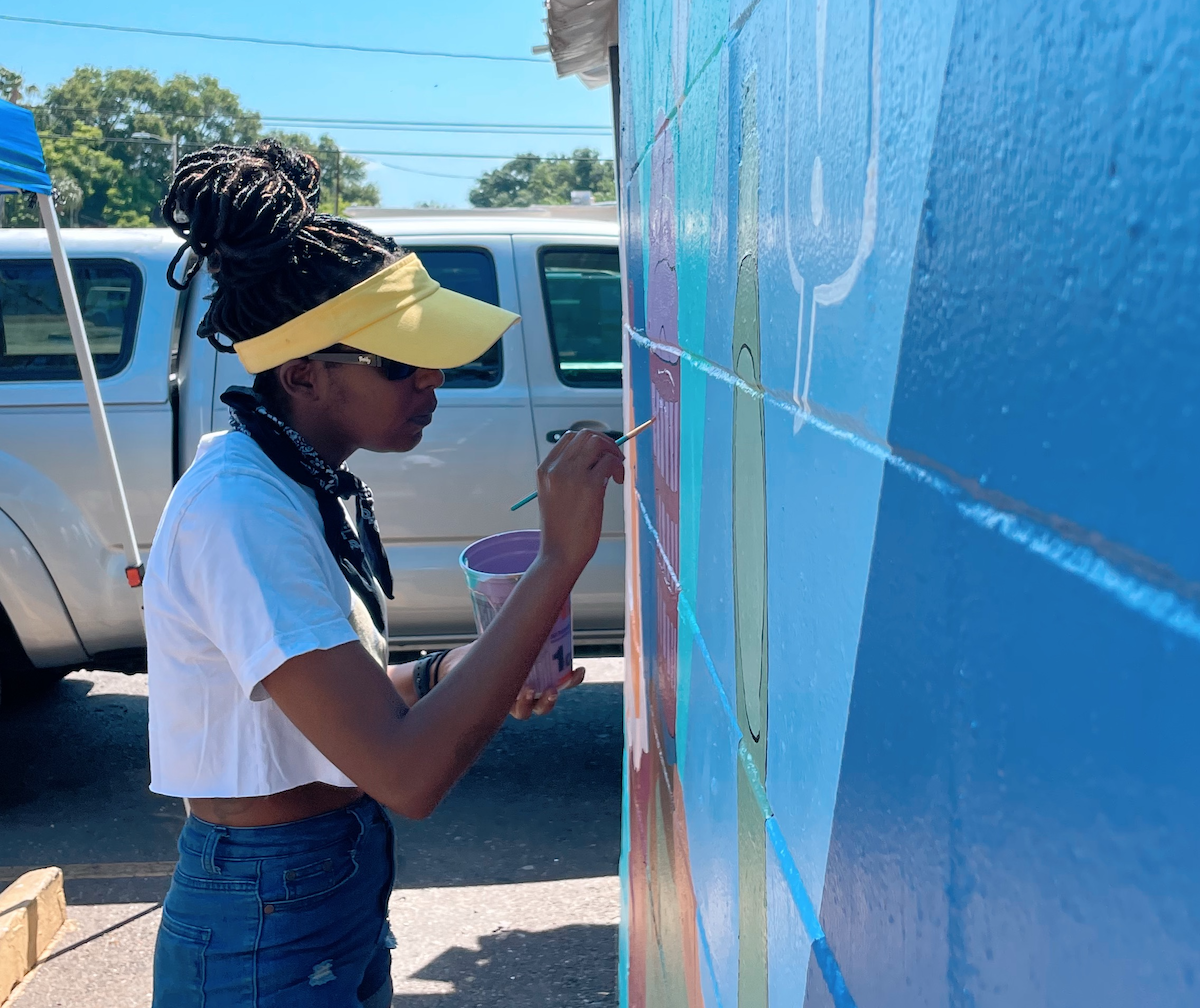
[(392, 370)]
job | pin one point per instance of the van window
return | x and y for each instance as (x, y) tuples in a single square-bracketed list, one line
[(35, 342), (469, 271), (582, 289)]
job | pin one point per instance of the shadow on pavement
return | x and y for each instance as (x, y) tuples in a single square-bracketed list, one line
[(573, 965), (74, 791), (543, 802)]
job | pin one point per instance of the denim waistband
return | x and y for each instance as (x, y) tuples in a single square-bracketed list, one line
[(286, 838)]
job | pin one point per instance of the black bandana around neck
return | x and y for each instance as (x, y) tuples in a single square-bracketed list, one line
[(362, 561)]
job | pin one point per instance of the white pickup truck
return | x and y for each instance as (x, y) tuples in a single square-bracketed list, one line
[(64, 600)]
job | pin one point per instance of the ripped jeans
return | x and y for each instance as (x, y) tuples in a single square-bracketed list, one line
[(274, 916)]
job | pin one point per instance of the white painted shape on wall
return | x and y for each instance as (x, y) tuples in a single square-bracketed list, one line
[(836, 290)]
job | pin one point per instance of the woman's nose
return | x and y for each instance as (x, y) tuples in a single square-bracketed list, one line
[(429, 378)]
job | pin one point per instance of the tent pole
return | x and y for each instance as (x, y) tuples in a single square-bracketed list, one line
[(91, 385)]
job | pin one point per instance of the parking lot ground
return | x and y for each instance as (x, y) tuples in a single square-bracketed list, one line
[(506, 895)]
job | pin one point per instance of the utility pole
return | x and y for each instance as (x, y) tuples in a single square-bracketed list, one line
[(337, 184), (173, 142)]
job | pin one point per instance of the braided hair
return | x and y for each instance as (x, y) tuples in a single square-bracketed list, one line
[(249, 213)]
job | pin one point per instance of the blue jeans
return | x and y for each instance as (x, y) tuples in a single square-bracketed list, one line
[(291, 916)]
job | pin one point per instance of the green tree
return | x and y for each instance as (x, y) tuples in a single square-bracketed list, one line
[(78, 165), (530, 180), (121, 103), (111, 134), (16, 209), (11, 83), (343, 178), (83, 159), (68, 197)]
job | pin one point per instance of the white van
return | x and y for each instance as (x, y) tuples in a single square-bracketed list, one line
[(63, 596)]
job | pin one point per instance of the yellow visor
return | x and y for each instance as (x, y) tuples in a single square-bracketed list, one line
[(401, 313)]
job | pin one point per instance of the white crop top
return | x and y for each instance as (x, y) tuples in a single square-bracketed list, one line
[(238, 581)]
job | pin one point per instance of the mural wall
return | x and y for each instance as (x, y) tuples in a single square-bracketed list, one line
[(914, 663)]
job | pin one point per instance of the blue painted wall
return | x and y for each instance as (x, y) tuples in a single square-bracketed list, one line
[(976, 239), (1019, 803)]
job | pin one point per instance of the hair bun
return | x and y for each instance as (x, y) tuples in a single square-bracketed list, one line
[(301, 168), (241, 208), (250, 213)]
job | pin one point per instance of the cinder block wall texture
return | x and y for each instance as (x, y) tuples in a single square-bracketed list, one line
[(914, 295)]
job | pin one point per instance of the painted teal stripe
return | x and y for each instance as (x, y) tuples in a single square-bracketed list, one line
[(623, 934), (708, 958), (830, 970), (1161, 605), (734, 30)]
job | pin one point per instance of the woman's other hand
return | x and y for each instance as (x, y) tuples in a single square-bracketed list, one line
[(524, 707), (571, 484), (526, 704)]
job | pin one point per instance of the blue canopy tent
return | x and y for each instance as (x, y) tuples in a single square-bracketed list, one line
[(23, 169)]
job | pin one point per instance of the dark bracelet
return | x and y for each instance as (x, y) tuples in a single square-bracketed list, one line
[(436, 669), (423, 673), (421, 676)]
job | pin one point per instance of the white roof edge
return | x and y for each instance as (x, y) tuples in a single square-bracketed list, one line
[(606, 211), (162, 243), (101, 239), (579, 33)]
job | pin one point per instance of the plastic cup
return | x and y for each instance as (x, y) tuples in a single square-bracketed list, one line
[(493, 566)]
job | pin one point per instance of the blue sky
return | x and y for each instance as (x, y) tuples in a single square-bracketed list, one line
[(296, 82)]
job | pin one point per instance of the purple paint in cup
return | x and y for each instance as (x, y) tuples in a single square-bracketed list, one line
[(493, 566)]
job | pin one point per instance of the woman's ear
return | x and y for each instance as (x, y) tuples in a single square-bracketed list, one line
[(301, 379)]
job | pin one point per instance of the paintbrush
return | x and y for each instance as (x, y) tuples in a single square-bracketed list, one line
[(621, 440)]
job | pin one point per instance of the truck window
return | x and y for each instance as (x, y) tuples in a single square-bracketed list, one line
[(469, 271), (582, 290), (35, 342)]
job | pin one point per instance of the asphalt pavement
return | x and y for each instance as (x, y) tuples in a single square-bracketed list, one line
[(507, 895)]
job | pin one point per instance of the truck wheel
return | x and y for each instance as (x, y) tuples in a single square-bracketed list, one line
[(19, 677)]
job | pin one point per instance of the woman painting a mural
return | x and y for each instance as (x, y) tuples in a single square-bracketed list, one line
[(273, 711)]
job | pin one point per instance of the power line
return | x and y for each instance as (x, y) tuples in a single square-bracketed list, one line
[(401, 122), (346, 150), (321, 122), (270, 42), (487, 157), (433, 174), (469, 128)]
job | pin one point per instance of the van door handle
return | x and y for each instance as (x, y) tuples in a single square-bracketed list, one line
[(555, 436)]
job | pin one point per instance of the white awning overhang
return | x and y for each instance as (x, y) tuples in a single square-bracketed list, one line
[(579, 33)]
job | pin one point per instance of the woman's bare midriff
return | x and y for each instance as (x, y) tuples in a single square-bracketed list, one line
[(302, 802)]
